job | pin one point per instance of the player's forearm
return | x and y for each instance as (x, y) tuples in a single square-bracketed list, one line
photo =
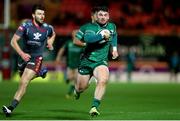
[(79, 43), (52, 38), (15, 45), (92, 38), (60, 54), (114, 40)]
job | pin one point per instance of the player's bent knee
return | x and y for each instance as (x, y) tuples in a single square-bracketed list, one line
[(102, 82), (81, 89)]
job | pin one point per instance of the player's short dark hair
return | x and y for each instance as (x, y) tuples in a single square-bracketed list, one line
[(94, 10), (37, 7), (99, 8)]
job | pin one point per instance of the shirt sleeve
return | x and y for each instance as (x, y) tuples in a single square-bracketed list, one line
[(92, 37), (50, 31), (114, 37), (21, 29), (86, 35), (80, 34)]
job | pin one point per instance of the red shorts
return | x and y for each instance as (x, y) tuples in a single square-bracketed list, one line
[(35, 64)]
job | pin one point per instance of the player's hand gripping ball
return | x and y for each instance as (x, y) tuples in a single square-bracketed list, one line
[(106, 34)]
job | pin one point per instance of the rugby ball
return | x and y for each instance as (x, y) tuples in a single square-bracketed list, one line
[(103, 32)]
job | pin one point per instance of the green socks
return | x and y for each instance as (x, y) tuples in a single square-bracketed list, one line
[(71, 89), (96, 103)]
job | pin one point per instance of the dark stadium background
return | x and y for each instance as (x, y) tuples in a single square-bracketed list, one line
[(150, 27)]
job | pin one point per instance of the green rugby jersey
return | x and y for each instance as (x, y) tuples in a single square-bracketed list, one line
[(73, 54), (95, 49)]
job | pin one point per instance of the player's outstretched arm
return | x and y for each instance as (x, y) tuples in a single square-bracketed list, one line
[(114, 46), (50, 41), (114, 53), (60, 54), (14, 44), (78, 42)]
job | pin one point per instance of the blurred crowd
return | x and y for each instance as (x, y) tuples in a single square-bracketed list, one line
[(159, 17)]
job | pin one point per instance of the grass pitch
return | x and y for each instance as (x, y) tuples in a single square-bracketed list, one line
[(46, 101)]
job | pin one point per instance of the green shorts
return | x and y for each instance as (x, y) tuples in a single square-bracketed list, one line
[(86, 66)]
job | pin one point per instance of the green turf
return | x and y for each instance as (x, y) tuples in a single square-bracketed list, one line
[(46, 101)]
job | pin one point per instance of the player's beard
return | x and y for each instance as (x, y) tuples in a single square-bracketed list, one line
[(38, 21)]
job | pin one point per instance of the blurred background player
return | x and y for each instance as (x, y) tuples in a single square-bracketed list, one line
[(74, 49), (36, 36), (72, 61), (130, 62), (174, 65), (93, 19), (94, 61)]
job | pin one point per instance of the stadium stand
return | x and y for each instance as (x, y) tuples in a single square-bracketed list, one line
[(157, 17)]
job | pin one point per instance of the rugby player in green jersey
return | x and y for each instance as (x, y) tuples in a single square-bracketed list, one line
[(99, 36), (72, 61)]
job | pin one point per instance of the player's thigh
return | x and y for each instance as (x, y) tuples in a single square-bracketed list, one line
[(21, 65), (75, 73), (83, 80), (27, 76), (72, 73), (69, 73), (35, 64), (101, 73)]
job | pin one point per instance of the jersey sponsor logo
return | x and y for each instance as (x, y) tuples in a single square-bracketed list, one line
[(31, 63), (20, 28), (105, 62), (37, 36), (20, 64), (81, 71), (33, 43)]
